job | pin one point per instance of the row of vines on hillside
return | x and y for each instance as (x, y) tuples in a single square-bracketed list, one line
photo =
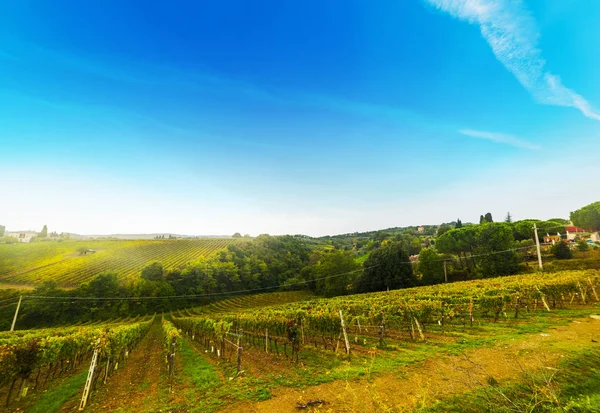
[(29, 354), (400, 313), (125, 257)]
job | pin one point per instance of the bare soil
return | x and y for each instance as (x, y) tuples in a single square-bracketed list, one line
[(135, 386)]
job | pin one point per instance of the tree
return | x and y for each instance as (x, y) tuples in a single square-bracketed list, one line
[(2, 230), (443, 228), (458, 223), (523, 229), (336, 272), (494, 250), (485, 242), (488, 217), (587, 217), (105, 284), (82, 250), (386, 267), (237, 235), (153, 272), (431, 267), (561, 251), (44, 232), (508, 218), (481, 219)]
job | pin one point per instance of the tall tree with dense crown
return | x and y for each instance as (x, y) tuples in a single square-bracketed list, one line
[(587, 217), (443, 228), (336, 272), (494, 250), (44, 232), (153, 272), (387, 267), (431, 267), (508, 218)]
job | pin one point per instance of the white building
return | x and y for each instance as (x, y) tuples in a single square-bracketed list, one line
[(22, 236), (573, 232)]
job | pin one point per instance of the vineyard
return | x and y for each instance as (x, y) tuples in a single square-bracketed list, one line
[(32, 357), (32, 264), (251, 301), (400, 314), (286, 351)]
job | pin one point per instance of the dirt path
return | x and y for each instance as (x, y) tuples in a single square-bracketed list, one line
[(136, 386), (435, 378)]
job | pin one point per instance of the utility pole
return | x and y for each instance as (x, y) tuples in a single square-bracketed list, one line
[(12, 328), (537, 244)]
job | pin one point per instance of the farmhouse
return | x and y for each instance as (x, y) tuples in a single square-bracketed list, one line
[(573, 231), (22, 236), (551, 239)]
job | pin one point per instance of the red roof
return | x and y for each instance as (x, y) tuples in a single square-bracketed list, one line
[(574, 229)]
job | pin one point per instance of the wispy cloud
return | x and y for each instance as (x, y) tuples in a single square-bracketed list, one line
[(512, 33), (500, 138)]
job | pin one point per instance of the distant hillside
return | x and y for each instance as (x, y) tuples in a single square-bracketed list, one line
[(72, 262), (142, 236)]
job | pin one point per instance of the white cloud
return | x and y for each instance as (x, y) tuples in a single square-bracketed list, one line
[(512, 33), (500, 138)]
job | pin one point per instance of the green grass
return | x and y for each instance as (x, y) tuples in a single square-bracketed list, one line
[(196, 369), (361, 258), (145, 385), (53, 399), (321, 366)]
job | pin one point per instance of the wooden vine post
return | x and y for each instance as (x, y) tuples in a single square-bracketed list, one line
[(420, 330), (106, 372), (381, 329), (171, 359), (266, 340), (239, 359), (582, 292), (90, 376), (471, 311), (346, 342), (593, 288)]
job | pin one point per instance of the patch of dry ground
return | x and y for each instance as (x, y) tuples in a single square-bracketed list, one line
[(133, 387), (434, 378)]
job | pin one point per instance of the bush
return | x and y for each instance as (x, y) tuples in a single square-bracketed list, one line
[(583, 246), (561, 251)]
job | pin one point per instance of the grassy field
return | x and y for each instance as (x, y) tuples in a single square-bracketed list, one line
[(544, 360), (32, 264)]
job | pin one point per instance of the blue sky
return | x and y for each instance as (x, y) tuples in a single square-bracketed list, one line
[(312, 117)]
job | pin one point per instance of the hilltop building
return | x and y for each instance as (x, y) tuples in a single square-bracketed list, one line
[(573, 232), (22, 236)]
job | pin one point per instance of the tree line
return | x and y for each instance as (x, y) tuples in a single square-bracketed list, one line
[(267, 263)]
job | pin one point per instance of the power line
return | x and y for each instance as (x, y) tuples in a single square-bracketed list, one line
[(170, 297)]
